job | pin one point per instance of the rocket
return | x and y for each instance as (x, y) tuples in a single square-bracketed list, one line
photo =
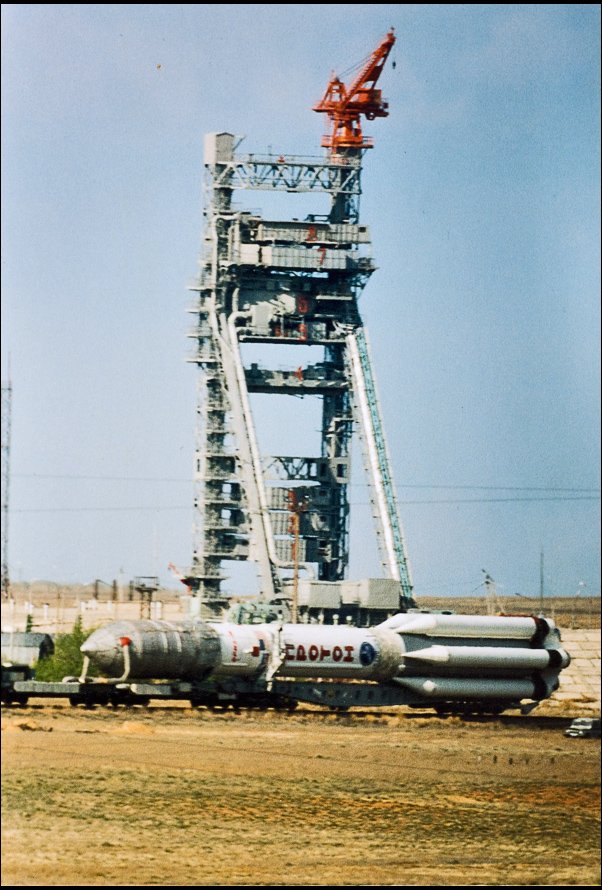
[(427, 657)]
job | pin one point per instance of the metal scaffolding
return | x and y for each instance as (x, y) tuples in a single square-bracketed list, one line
[(284, 282)]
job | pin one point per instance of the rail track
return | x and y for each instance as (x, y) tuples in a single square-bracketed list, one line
[(303, 712)]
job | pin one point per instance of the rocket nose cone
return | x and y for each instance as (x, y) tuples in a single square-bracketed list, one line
[(90, 646), (104, 650), (100, 641)]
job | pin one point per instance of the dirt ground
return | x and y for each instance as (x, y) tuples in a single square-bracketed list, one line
[(177, 796)]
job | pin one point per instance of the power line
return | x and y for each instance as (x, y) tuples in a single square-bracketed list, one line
[(355, 503), (352, 485), (505, 488), (95, 509), (102, 478), (496, 500)]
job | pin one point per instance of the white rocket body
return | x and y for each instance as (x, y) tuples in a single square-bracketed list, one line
[(430, 655)]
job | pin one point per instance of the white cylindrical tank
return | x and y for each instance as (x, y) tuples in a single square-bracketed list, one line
[(450, 688), (479, 626), (310, 650), (488, 657)]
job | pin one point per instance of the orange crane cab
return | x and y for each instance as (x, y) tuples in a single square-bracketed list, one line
[(345, 106)]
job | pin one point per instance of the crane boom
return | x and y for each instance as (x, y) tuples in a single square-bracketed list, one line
[(345, 106)]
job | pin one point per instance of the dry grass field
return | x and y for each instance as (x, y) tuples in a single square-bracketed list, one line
[(177, 796), (172, 795), (580, 613)]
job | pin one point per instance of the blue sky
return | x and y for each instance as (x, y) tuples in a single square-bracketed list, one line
[(482, 195)]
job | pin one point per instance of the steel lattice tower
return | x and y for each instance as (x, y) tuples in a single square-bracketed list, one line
[(286, 282)]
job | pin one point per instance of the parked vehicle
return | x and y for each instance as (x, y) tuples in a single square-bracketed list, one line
[(584, 728), (11, 674)]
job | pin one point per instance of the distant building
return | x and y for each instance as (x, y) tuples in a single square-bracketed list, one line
[(26, 648)]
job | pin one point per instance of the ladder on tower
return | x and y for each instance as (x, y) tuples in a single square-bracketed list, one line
[(384, 500), (249, 459)]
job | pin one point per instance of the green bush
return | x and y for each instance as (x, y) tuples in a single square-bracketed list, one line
[(67, 660)]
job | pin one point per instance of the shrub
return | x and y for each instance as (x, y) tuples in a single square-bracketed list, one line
[(67, 660)]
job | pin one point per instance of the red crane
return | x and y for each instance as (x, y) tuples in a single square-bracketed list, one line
[(345, 106)]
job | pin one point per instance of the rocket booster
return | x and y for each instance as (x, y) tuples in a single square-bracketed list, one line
[(471, 657), (479, 657)]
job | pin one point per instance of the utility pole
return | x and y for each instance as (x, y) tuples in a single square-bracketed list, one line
[(490, 593), (296, 506), (6, 424), (541, 581), (580, 588)]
